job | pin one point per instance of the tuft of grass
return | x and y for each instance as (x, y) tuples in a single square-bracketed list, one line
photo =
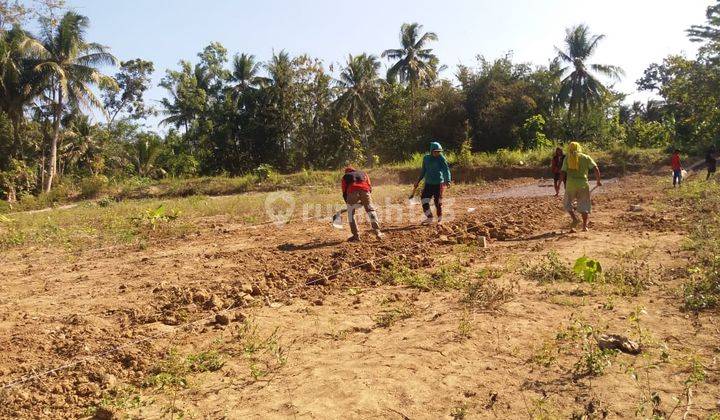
[(488, 294), (550, 269), (447, 277), (265, 355), (629, 277), (398, 273), (465, 327), (388, 317)]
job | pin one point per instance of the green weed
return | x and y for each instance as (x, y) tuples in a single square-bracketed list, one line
[(588, 269), (465, 327), (174, 370)]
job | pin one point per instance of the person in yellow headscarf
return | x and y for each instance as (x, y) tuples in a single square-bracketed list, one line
[(576, 167)]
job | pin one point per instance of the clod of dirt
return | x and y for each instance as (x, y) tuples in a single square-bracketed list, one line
[(636, 207), (240, 317), (215, 302), (103, 413), (618, 342), (246, 288), (170, 320), (222, 319), (108, 381), (88, 389)]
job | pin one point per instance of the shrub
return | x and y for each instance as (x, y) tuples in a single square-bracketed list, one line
[(264, 172), (91, 187)]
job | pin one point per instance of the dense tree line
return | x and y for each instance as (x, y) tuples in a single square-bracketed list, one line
[(230, 113)]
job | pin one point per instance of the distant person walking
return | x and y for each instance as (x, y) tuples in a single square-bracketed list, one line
[(577, 188), (711, 162), (677, 168), (436, 173), (357, 190), (556, 168)]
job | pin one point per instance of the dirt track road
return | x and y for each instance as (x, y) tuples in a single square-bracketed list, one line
[(313, 331)]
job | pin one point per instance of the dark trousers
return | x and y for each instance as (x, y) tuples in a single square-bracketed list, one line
[(677, 176), (434, 192)]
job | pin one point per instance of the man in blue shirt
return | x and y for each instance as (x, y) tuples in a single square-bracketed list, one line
[(436, 173)]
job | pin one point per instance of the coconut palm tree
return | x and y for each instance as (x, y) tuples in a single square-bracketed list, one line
[(415, 63), (143, 153), (581, 89), (361, 88), (245, 72), (69, 65), (18, 83), (360, 98)]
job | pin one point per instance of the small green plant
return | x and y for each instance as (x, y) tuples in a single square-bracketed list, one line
[(264, 172), (593, 360), (635, 319), (174, 370), (400, 274), (123, 397), (588, 269), (702, 290), (264, 354), (154, 217), (170, 373), (209, 361), (546, 355), (465, 327), (448, 277)]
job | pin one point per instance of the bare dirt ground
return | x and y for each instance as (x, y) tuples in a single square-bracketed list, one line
[(230, 321)]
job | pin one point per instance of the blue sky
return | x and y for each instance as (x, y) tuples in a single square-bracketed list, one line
[(164, 31)]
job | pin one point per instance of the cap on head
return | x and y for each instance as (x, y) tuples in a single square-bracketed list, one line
[(435, 147), (349, 169)]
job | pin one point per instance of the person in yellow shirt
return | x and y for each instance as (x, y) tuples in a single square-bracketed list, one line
[(576, 167)]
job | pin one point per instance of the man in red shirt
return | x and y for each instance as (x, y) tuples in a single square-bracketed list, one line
[(677, 168), (356, 189)]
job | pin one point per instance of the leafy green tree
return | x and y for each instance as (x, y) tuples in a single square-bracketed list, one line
[(581, 88), (126, 94), (415, 63), (445, 117), (394, 135), (499, 98), (691, 91), (69, 64)]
